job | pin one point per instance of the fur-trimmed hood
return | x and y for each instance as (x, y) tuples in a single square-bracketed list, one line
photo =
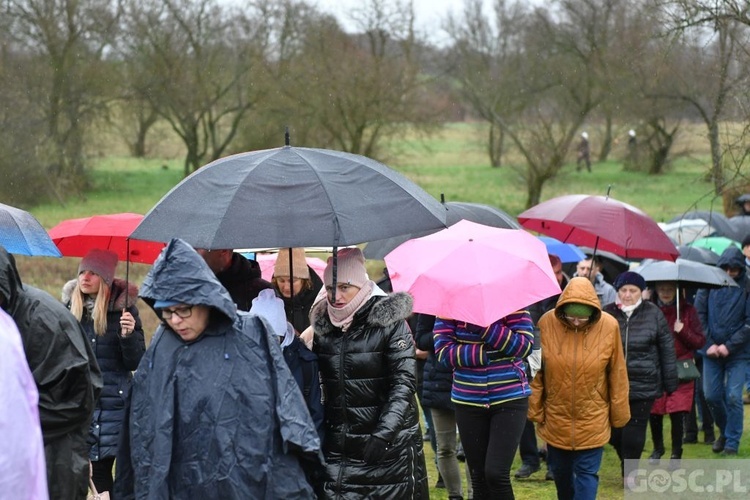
[(380, 311), (121, 289)]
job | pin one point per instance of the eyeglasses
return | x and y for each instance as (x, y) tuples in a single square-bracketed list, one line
[(574, 319), (182, 312)]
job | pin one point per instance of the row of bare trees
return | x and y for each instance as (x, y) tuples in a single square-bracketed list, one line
[(229, 77)]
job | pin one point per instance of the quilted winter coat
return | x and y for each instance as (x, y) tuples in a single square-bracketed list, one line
[(369, 378), (581, 391)]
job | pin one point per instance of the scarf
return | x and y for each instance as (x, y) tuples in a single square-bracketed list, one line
[(288, 337), (342, 317), (628, 310)]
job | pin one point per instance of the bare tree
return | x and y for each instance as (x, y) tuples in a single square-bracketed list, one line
[(64, 43), (200, 66)]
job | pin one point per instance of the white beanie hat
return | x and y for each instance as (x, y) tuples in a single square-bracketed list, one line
[(350, 268)]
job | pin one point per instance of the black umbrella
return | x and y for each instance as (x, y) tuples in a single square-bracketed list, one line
[(291, 197), (699, 254), (456, 210), (686, 273), (717, 220), (741, 226)]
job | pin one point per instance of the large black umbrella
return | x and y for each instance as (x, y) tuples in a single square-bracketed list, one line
[(455, 211), (699, 254), (291, 197), (686, 273), (717, 220), (741, 226)]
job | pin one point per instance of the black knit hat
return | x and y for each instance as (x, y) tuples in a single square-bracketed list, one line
[(630, 278)]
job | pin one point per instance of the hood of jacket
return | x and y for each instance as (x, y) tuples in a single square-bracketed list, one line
[(10, 281), (379, 311), (181, 275), (123, 293), (579, 290), (732, 257)]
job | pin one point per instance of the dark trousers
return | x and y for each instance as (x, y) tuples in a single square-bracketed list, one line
[(101, 474), (629, 441), (490, 438), (657, 432), (528, 447)]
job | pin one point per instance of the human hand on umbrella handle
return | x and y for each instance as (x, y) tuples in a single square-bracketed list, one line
[(127, 323), (678, 325)]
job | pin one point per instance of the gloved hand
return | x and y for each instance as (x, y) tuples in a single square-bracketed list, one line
[(375, 450), (268, 306)]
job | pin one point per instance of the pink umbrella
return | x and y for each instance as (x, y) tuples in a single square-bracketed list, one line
[(472, 272), (267, 261)]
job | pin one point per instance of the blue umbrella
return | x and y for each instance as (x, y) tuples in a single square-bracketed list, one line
[(21, 233), (567, 252)]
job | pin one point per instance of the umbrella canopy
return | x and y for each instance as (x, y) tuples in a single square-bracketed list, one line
[(472, 272), (741, 226), (717, 220), (22, 234), (75, 237), (455, 211), (698, 254), (567, 252), (268, 260), (685, 272), (291, 197), (686, 231), (716, 244), (600, 222)]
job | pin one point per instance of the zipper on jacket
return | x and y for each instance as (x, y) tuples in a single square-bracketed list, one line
[(573, 398), (344, 419)]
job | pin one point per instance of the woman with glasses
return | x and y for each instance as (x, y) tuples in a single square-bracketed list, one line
[(581, 391), (650, 357), (105, 307), (215, 411)]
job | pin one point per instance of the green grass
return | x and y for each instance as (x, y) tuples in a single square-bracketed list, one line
[(453, 163)]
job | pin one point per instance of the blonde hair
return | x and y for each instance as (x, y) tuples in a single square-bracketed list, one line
[(99, 314)]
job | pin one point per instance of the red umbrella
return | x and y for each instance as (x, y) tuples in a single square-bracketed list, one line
[(603, 223), (472, 272), (75, 237)]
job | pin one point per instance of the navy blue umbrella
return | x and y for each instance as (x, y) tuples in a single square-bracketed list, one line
[(22, 234)]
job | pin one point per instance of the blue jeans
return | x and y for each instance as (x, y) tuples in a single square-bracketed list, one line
[(723, 380), (576, 472)]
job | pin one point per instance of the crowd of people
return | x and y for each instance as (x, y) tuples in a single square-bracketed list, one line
[(303, 387)]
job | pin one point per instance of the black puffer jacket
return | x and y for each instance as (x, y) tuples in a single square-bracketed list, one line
[(437, 379), (118, 357), (369, 379), (649, 351)]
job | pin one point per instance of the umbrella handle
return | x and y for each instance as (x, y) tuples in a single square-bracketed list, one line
[(127, 269), (593, 255)]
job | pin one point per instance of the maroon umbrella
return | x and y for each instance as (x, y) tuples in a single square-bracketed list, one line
[(602, 223)]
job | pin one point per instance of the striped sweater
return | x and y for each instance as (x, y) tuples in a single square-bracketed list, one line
[(477, 380)]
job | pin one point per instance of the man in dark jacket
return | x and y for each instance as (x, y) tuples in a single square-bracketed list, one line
[(725, 316), (66, 375), (239, 275), (215, 412)]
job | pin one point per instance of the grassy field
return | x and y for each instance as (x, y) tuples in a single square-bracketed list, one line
[(452, 163)]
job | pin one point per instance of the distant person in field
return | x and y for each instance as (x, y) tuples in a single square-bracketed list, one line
[(584, 153), (743, 202)]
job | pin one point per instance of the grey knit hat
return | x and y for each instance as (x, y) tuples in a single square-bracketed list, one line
[(101, 262)]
